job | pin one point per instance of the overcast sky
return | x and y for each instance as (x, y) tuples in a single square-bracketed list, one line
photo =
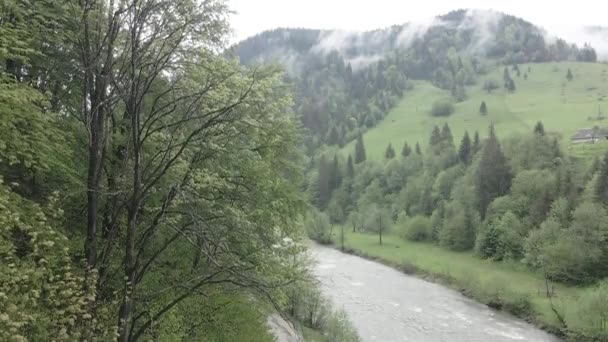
[(254, 16)]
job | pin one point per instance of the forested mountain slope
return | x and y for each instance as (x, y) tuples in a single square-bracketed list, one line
[(346, 82)]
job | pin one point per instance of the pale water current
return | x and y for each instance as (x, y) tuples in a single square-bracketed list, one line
[(386, 305)]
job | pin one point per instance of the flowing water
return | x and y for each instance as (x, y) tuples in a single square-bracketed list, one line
[(386, 305)]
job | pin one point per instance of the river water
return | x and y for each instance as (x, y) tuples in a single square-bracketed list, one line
[(386, 305)]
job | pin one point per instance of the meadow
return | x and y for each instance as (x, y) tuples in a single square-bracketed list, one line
[(546, 95)]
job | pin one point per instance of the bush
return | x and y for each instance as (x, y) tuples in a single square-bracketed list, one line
[(318, 227), (443, 107), (418, 228)]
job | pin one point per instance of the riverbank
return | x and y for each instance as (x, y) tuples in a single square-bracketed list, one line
[(506, 286)]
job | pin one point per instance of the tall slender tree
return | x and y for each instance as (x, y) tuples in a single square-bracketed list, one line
[(476, 142), (601, 187), (465, 150), (418, 150), (446, 135), (435, 136), (406, 150), (350, 168), (493, 177), (359, 149), (389, 153)]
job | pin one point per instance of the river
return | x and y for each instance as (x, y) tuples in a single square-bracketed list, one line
[(386, 305)]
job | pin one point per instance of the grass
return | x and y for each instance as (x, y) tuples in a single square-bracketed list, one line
[(563, 106), (311, 335), (483, 280)]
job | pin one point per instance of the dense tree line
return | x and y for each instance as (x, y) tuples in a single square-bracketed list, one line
[(521, 199), (149, 186)]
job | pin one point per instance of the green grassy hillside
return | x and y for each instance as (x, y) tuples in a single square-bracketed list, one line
[(563, 106)]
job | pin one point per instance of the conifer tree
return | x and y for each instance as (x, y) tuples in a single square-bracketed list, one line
[(406, 150), (435, 136), (476, 143), (483, 109), (446, 135), (494, 174), (359, 149), (464, 152), (418, 150), (390, 152), (602, 182), (539, 129), (350, 168)]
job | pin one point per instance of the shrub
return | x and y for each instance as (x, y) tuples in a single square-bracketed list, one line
[(318, 227), (418, 228), (443, 107)]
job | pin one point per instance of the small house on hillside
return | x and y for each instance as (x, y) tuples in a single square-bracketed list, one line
[(590, 135)]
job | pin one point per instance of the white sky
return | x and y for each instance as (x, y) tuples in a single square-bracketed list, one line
[(557, 16)]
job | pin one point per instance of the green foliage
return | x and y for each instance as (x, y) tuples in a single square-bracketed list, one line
[(483, 108), (390, 152), (569, 75), (406, 150), (417, 228), (360, 150), (318, 227), (43, 296), (442, 107), (601, 187), (460, 225), (592, 312), (539, 128), (493, 175), (465, 151), (501, 239)]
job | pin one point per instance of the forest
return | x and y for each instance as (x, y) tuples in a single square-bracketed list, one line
[(348, 87), (158, 183)]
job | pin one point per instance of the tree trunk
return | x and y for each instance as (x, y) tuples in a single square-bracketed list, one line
[(380, 229), (342, 237)]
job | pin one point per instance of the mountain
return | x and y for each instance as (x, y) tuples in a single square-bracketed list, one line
[(346, 82)]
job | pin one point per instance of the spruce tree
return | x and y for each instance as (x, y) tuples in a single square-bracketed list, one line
[(324, 181), (464, 152), (350, 168), (483, 109), (359, 149), (418, 151), (335, 175), (539, 129), (476, 143), (406, 150), (390, 152), (569, 75), (601, 188), (446, 135), (435, 136), (494, 175), (511, 86)]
